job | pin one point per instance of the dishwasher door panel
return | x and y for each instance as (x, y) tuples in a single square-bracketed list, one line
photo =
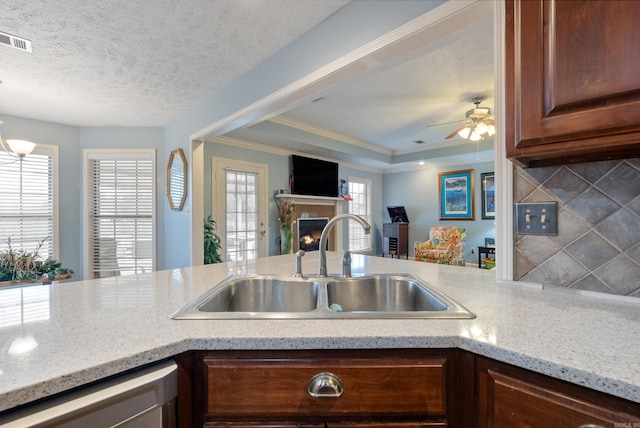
[(141, 399)]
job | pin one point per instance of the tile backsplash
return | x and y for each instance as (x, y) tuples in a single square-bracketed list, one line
[(598, 243)]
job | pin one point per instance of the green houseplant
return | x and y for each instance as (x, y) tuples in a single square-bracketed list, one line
[(22, 266), (211, 242), (286, 217)]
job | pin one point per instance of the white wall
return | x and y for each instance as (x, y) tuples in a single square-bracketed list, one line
[(279, 170), (418, 192), (351, 27), (71, 141)]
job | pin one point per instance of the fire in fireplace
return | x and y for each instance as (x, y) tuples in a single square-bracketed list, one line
[(309, 232)]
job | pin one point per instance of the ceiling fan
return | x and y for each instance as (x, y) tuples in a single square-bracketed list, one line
[(480, 124)]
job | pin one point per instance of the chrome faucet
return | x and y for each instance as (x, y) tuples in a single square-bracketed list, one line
[(325, 235)]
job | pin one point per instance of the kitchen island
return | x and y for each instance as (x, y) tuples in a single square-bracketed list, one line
[(60, 336)]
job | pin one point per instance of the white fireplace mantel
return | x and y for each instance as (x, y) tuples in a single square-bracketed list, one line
[(310, 200)]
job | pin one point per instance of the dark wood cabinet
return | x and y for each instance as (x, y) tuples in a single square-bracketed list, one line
[(572, 81), (395, 237), (511, 397), (399, 388)]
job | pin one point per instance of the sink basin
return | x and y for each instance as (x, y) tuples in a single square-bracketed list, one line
[(382, 294), (247, 296), (286, 297)]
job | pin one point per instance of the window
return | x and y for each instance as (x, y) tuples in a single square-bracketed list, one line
[(360, 191), (119, 216), (242, 216), (27, 201)]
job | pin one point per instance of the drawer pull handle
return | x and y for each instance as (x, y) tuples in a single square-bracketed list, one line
[(590, 426), (325, 384)]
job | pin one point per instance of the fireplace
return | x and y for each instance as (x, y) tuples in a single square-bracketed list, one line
[(311, 208), (309, 232)]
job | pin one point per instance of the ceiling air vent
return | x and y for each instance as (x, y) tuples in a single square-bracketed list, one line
[(15, 42)]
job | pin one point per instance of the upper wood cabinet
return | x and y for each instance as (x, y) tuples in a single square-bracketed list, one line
[(572, 81)]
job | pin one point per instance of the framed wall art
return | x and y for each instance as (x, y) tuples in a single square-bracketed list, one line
[(456, 195), (488, 195)]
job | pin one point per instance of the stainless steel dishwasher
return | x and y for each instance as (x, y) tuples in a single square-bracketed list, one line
[(144, 398)]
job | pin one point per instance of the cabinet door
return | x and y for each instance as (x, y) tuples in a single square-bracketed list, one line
[(572, 81), (513, 398)]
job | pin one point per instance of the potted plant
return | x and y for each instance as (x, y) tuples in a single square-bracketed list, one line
[(211, 242), (23, 267), (286, 217)]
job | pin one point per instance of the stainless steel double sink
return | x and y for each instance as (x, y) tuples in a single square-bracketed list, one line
[(332, 297)]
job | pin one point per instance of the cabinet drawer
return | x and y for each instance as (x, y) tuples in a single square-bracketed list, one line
[(277, 388)]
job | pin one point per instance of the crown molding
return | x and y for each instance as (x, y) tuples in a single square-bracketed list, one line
[(332, 135), (237, 142)]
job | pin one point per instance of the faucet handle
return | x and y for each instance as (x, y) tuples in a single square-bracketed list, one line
[(346, 264)]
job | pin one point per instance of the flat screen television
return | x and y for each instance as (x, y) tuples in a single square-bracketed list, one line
[(314, 177)]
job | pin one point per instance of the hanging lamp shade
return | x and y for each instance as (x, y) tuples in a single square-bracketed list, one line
[(21, 147)]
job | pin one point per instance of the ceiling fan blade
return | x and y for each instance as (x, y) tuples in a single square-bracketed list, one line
[(453, 134), (444, 123)]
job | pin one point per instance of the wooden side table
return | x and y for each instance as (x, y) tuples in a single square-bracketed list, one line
[(395, 239), (486, 251)]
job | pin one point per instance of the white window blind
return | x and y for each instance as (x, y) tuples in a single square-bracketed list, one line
[(120, 214), (26, 202), (360, 192)]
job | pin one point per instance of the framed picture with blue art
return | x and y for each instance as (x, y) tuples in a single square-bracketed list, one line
[(488, 196), (456, 195)]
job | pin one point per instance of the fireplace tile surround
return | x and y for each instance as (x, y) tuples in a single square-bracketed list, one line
[(315, 207)]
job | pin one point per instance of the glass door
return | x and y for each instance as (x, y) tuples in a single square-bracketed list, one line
[(240, 209)]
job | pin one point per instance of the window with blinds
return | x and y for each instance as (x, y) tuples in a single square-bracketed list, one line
[(360, 192), (26, 202), (120, 218)]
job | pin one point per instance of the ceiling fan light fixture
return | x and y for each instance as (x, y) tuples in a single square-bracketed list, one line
[(475, 136), (481, 128), (464, 132), (479, 123)]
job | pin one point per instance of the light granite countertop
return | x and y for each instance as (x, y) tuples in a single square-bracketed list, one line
[(60, 336)]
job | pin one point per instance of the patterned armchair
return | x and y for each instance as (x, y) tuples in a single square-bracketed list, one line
[(445, 246)]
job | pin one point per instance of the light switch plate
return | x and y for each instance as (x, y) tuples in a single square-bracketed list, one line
[(537, 218)]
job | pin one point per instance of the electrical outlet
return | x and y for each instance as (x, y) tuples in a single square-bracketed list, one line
[(537, 218)]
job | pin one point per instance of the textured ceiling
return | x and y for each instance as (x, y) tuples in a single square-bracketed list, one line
[(396, 106), (143, 63), (138, 62), (388, 108)]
